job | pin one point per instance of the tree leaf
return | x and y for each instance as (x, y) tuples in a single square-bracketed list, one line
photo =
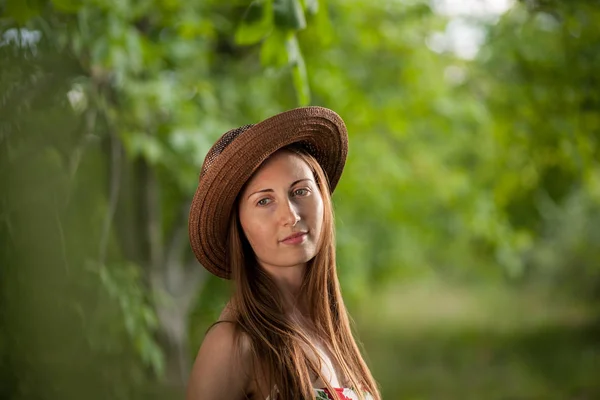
[(299, 74), (311, 7), (256, 24), (273, 51), (67, 6), (289, 15), (22, 11)]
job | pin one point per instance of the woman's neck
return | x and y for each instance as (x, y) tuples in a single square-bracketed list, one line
[(289, 282)]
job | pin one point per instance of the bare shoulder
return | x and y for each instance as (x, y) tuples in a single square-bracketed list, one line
[(223, 365)]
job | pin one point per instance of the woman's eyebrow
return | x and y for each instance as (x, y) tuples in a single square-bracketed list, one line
[(300, 180), (271, 190)]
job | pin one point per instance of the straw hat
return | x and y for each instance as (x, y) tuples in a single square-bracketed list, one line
[(238, 153)]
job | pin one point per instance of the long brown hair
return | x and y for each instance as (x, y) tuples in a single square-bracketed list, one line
[(277, 343)]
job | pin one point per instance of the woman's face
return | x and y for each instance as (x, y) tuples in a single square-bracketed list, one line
[(281, 212)]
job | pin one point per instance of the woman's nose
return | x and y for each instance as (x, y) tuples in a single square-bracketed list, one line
[(289, 214)]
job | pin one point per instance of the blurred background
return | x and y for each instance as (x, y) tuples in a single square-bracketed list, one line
[(468, 216)]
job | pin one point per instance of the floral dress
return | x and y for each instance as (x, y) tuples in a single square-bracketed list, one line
[(342, 394)]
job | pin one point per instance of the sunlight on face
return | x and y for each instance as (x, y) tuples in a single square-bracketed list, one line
[(281, 200)]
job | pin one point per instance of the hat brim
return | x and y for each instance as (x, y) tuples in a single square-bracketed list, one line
[(321, 131)]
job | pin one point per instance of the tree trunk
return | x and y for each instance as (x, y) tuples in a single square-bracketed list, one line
[(173, 282)]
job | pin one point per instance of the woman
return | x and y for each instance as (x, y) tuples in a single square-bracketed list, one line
[(262, 216)]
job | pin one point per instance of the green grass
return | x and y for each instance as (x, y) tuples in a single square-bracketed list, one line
[(431, 341)]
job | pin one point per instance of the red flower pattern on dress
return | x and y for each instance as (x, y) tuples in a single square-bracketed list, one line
[(340, 394)]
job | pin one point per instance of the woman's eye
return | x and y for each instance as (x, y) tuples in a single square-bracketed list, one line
[(263, 202), (300, 192)]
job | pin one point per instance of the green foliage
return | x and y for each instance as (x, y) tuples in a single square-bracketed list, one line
[(256, 24), (277, 21), (122, 284), (482, 170), (435, 340), (289, 15), (23, 11)]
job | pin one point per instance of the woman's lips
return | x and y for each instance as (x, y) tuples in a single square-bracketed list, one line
[(296, 238)]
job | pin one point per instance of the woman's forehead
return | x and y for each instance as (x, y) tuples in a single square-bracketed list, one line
[(281, 166)]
